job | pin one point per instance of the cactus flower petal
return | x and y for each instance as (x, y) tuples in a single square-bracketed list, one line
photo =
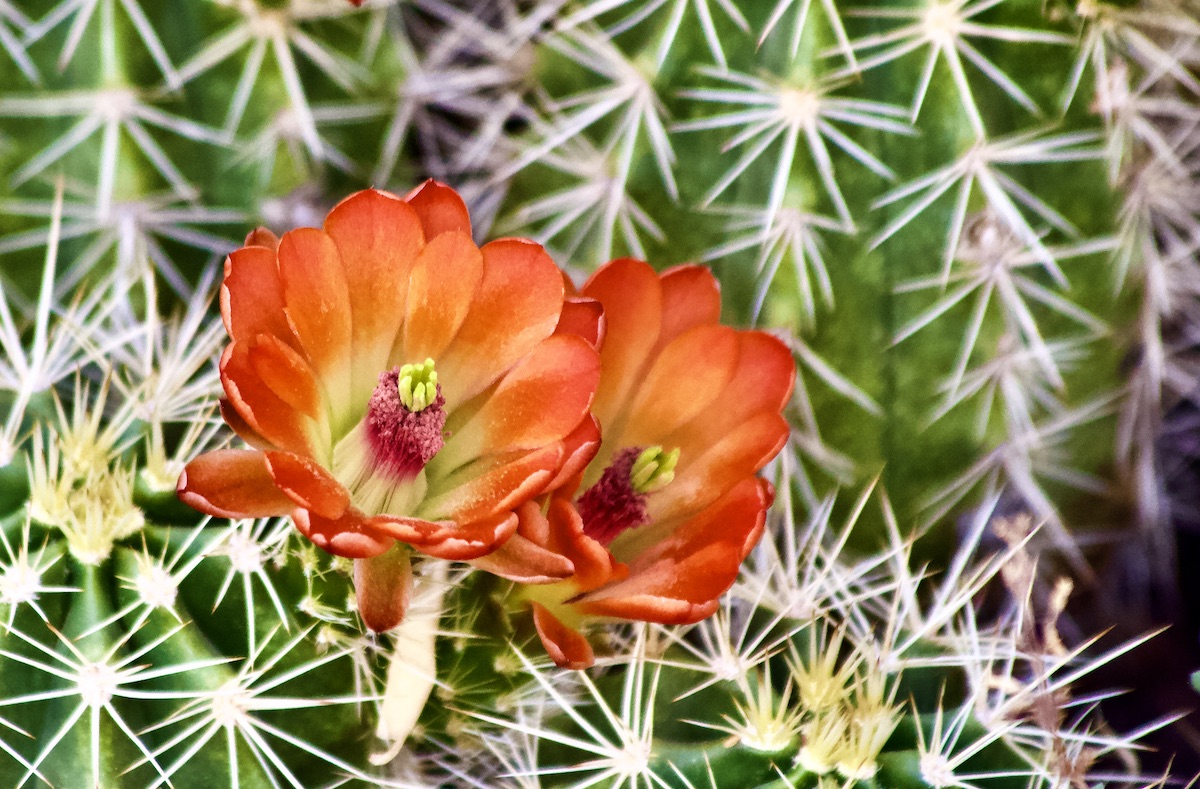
[(232, 483), (449, 539), (440, 209), (565, 645), (403, 385), (351, 535), (658, 523), (584, 318), (523, 558), (678, 579)]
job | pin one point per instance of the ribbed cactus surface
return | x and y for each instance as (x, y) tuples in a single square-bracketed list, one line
[(943, 200), (973, 223)]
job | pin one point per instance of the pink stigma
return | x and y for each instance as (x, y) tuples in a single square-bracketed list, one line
[(403, 441), (612, 506)]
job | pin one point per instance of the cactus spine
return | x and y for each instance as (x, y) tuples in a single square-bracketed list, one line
[(973, 220)]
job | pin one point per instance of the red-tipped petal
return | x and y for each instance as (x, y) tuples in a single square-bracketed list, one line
[(584, 317), (309, 485), (678, 579), (232, 483), (523, 557), (285, 373), (762, 381), (566, 647), (516, 307), (383, 586), (378, 237), (261, 237), (252, 295), (691, 297), (578, 450), (440, 209), (767, 367), (594, 565), (490, 485), (447, 539), (317, 299), (444, 280), (541, 400), (681, 383), (525, 562), (349, 536), (632, 299), (707, 472), (240, 426), (266, 413)]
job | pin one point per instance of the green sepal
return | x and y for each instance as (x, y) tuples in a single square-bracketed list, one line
[(162, 505)]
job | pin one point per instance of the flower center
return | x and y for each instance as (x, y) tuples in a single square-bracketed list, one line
[(617, 502), (405, 418)]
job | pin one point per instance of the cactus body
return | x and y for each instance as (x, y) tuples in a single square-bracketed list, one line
[(973, 221)]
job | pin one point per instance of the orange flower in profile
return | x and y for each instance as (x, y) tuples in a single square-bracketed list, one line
[(401, 387), (657, 525)]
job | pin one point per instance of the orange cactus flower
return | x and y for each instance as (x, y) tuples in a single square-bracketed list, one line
[(658, 524), (401, 387)]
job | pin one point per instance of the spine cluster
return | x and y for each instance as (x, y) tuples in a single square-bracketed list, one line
[(973, 221)]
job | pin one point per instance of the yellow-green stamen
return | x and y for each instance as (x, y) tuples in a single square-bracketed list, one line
[(418, 385), (654, 469)]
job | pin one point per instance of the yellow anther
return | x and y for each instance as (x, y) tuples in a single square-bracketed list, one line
[(654, 469), (418, 385)]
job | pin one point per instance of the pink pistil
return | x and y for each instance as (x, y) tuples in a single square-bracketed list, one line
[(403, 441), (612, 506)]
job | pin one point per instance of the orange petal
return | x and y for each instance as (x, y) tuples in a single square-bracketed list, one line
[(447, 539), (594, 565), (566, 647), (523, 561), (443, 283), (569, 289), (765, 374), (252, 295), (681, 383), (516, 307), (584, 317), (707, 472), (762, 381), (378, 236), (440, 209), (261, 237), (539, 401), (678, 580), (309, 485), (632, 299), (490, 485), (523, 557), (691, 297), (532, 523), (383, 587), (317, 299), (285, 373), (350, 535), (265, 412), (578, 450), (232, 483), (240, 426)]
